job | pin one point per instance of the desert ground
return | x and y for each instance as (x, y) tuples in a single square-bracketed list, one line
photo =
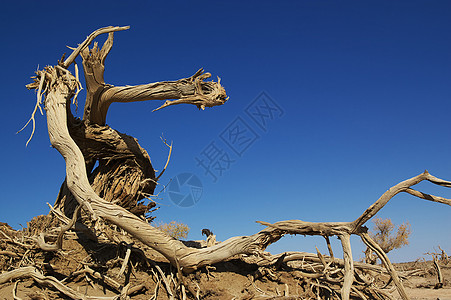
[(96, 270)]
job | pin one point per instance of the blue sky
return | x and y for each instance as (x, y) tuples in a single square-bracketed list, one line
[(364, 88)]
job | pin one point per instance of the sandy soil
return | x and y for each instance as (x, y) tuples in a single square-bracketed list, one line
[(422, 286)]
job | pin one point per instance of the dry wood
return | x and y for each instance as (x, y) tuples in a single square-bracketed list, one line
[(443, 256), (9, 253), (126, 260), (439, 283), (125, 174), (383, 257), (31, 272), (59, 240), (88, 41), (404, 186), (14, 291), (268, 259), (348, 266), (77, 182), (111, 282)]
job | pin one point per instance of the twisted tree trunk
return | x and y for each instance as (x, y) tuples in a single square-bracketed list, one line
[(125, 173)]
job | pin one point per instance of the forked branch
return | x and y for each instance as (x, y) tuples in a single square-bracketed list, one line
[(88, 41), (402, 187)]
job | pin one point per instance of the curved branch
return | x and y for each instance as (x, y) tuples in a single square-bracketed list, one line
[(106, 48), (387, 264), (167, 161), (401, 187), (338, 228), (192, 90), (436, 180), (88, 41), (59, 240)]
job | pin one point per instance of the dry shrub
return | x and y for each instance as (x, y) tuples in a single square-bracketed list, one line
[(175, 229), (384, 234)]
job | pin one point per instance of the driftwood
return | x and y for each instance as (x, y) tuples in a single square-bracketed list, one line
[(110, 194)]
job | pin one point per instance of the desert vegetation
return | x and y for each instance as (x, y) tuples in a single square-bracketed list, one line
[(100, 231), (383, 234), (174, 229)]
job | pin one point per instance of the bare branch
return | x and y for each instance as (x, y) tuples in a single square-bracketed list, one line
[(59, 240), (167, 161), (400, 187), (126, 260), (14, 291), (38, 105), (383, 257), (436, 180), (329, 247), (106, 48), (311, 228), (88, 41), (193, 90), (428, 197)]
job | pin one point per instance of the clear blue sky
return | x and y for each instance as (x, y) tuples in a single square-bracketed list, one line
[(365, 89)]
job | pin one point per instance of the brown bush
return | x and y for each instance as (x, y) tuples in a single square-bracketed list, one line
[(383, 234), (175, 229)]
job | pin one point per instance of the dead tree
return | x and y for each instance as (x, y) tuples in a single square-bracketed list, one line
[(125, 173), (112, 192), (436, 264)]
